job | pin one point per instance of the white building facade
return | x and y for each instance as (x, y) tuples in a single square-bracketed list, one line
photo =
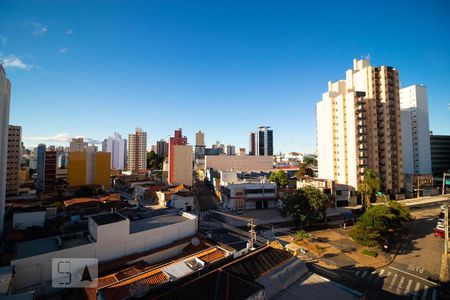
[(359, 128), (117, 146), (416, 130), (5, 91)]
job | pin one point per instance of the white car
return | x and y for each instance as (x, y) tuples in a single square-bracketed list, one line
[(440, 222), (443, 207)]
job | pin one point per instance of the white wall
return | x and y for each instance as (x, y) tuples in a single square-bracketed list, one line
[(112, 244)]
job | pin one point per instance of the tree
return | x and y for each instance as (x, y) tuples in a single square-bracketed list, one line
[(60, 184), (310, 160), (304, 170), (154, 161), (376, 223), (305, 205), (279, 177), (369, 185)]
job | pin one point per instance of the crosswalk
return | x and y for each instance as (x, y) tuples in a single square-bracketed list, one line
[(205, 213), (400, 283)]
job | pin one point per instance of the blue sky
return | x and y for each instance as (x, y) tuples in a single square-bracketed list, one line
[(88, 68)]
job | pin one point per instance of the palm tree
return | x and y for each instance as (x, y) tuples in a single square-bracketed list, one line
[(369, 185), (60, 184)]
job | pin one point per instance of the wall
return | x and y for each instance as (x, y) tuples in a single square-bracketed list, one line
[(76, 170), (24, 220), (183, 164), (239, 163), (102, 173)]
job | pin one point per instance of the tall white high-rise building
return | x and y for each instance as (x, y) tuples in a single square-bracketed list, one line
[(359, 128), (137, 151), (5, 92), (117, 146), (415, 130)]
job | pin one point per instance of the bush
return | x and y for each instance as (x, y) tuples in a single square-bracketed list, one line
[(369, 253), (302, 235)]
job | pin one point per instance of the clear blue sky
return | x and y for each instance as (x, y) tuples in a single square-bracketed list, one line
[(88, 68)]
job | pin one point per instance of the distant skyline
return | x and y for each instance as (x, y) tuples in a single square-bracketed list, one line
[(91, 68)]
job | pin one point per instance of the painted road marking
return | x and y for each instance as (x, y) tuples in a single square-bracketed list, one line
[(425, 292), (379, 276), (394, 279), (357, 273), (399, 288), (371, 274), (433, 296), (408, 286), (416, 290), (423, 279), (364, 274)]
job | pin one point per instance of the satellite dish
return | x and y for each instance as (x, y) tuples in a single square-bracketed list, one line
[(138, 289), (195, 241)]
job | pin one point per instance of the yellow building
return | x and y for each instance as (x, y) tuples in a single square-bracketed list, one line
[(89, 167), (77, 168), (102, 170)]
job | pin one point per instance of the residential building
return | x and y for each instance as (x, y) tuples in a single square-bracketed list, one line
[(5, 91), (249, 195), (137, 151), (415, 130), (264, 141), (77, 145), (440, 154), (239, 163), (200, 145), (40, 167), (117, 146), (162, 148), (252, 144), (49, 170), (33, 159), (359, 128), (13, 163), (231, 150), (180, 159), (180, 197), (89, 167), (219, 147)]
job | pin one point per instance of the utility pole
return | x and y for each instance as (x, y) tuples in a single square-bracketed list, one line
[(444, 276), (252, 233), (418, 186)]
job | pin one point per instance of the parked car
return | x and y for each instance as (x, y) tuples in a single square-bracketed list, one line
[(439, 232), (440, 221)]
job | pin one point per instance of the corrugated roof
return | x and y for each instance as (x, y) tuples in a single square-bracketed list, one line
[(255, 264)]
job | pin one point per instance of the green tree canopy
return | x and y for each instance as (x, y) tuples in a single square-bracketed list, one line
[(279, 177), (374, 225), (154, 161), (310, 160), (305, 205), (304, 170)]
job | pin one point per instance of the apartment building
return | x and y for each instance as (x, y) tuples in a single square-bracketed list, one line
[(415, 130), (359, 127), (137, 151), (5, 91), (13, 163), (440, 154), (117, 146), (89, 167), (77, 145), (261, 141), (180, 159)]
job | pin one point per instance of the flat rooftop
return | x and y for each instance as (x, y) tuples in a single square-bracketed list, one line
[(155, 222), (107, 218), (47, 245)]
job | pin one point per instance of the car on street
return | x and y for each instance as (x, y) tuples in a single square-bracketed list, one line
[(440, 221)]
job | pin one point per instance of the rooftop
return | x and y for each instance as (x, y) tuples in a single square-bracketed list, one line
[(47, 245), (107, 218), (155, 222)]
